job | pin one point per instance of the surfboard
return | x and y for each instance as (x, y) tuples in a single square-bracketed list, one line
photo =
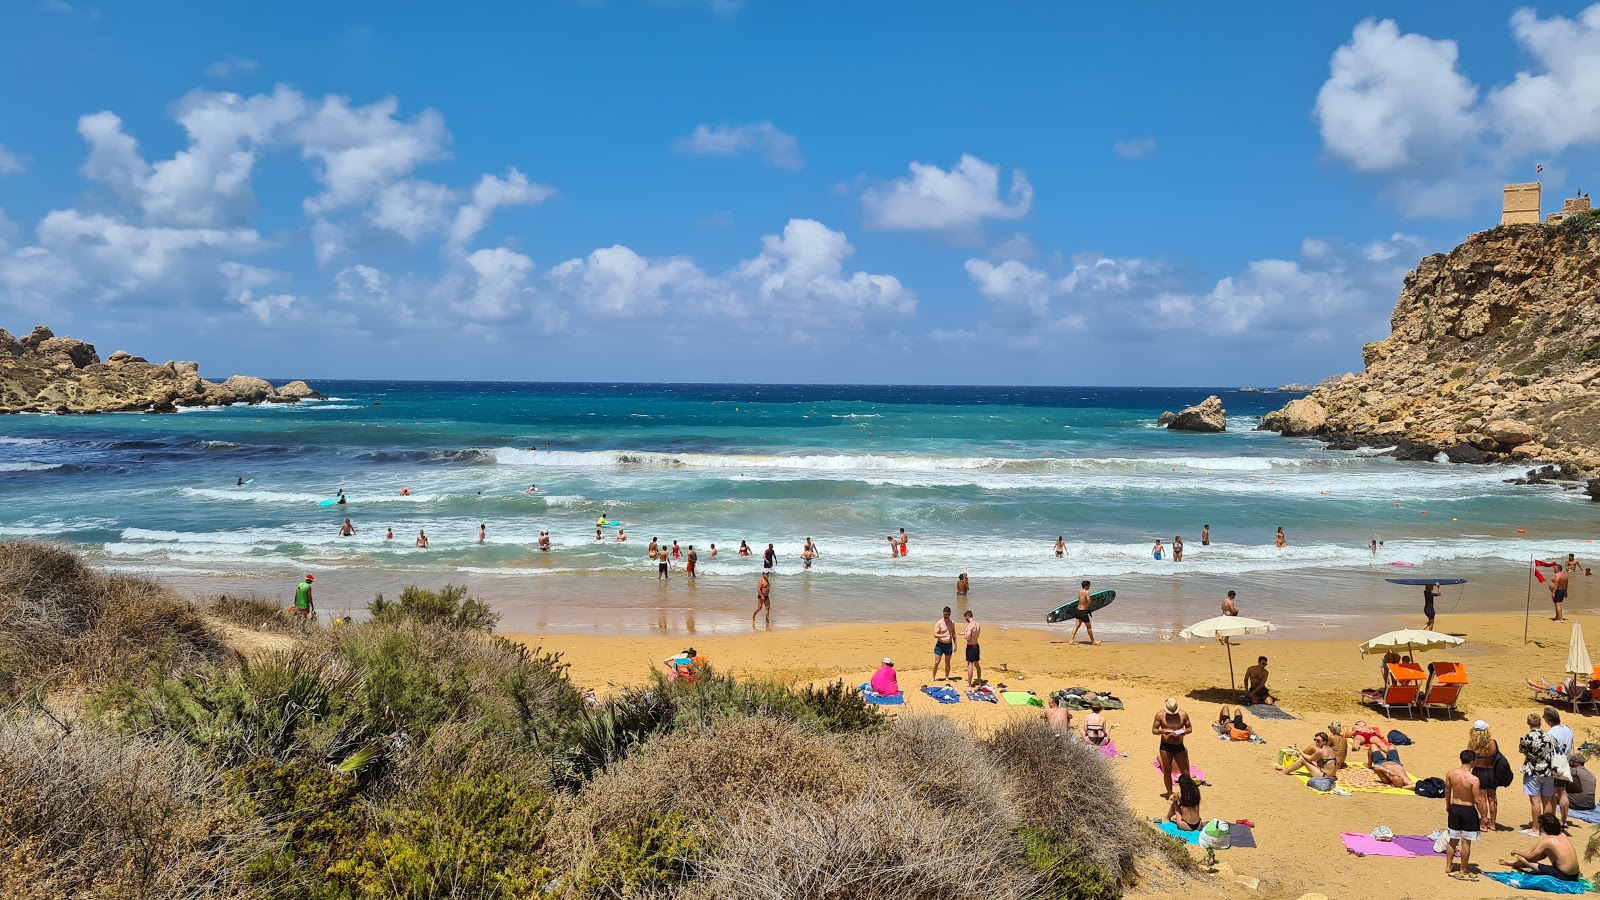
[(249, 481), (613, 524), (1420, 581), (331, 501), (1401, 562), (1097, 601)]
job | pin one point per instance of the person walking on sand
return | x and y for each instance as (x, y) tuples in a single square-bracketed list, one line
[(1430, 593), (689, 567), (970, 635), (1061, 546), (763, 599), (1280, 540), (1558, 592), (422, 539), (1177, 548), (347, 530), (1082, 616), (483, 533), (304, 608), (1205, 536), (1171, 724), (944, 644), (1463, 797)]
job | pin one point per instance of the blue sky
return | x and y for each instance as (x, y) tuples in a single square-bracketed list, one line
[(681, 190)]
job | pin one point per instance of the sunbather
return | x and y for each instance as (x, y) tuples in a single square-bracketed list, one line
[(1184, 808), (1363, 737), (1317, 759), (1240, 730), (1553, 855), (1059, 717), (1564, 688), (1339, 743), (1095, 730), (1224, 721), (1386, 765)]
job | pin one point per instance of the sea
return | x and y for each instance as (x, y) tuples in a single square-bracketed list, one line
[(983, 479)]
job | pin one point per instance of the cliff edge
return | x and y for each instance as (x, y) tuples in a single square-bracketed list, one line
[(1493, 355), (45, 373)]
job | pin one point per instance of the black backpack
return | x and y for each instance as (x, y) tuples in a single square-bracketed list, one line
[(1502, 770), (1430, 787), (1399, 739)]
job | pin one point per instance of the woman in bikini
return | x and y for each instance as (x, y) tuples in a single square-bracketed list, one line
[(1318, 759), (1095, 730), (1171, 724), (1484, 748), (1184, 810)]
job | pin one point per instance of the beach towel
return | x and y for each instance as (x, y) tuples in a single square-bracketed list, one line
[(1080, 698), (1243, 837), (1367, 845), (1269, 711), (1109, 751), (878, 699), (942, 693), (1359, 779), (1528, 882), (1418, 844), (1195, 772), (983, 694), (1022, 698), (1592, 816)]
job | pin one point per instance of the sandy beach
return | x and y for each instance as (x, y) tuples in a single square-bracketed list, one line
[(1317, 681)]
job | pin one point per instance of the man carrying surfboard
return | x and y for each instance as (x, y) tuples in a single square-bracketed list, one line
[(1082, 615)]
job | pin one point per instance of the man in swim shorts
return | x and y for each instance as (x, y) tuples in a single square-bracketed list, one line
[(1082, 615), (1553, 855), (1255, 683), (1463, 796), (763, 599), (903, 541), (1171, 724), (970, 635), (688, 568), (1558, 592), (1205, 536), (662, 564), (944, 644)]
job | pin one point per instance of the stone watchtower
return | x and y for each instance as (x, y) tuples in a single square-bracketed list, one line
[(1522, 204), (1569, 207)]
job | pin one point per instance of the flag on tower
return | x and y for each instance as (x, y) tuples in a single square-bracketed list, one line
[(1540, 168)]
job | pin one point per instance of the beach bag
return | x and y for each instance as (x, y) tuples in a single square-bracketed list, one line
[(1399, 739), (1288, 756), (1216, 835), (1503, 775), (1320, 783), (1560, 767), (1430, 787)]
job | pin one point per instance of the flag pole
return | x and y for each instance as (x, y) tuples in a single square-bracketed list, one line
[(1528, 613)]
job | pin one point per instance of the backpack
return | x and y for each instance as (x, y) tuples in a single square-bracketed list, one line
[(1399, 739), (1503, 775), (1430, 787)]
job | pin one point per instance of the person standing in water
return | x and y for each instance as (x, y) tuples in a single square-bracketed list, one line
[(1280, 540), (1205, 536), (422, 539), (389, 535), (622, 535), (903, 542), (962, 584), (763, 599), (1061, 546), (483, 533), (662, 565), (1228, 606), (347, 530), (1082, 615), (768, 558), (1177, 548), (688, 568), (713, 553), (1157, 550), (655, 548)]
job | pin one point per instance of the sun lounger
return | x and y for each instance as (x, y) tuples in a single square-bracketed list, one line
[(1440, 696), (1393, 697)]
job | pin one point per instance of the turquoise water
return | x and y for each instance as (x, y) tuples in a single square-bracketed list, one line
[(982, 479)]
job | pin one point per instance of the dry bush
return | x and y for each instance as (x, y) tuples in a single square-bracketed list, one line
[(251, 611), (963, 778), (879, 843), (1070, 791), (98, 815), (60, 618)]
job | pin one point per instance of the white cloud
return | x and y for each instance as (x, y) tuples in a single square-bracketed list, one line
[(762, 138), (413, 209), (490, 194), (935, 199), (244, 285), (358, 150), (1135, 148), (800, 275), (1022, 296), (615, 282), (1558, 107), (122, 258), (10, 163), (1396, 101), (497, 280), (229, 66)]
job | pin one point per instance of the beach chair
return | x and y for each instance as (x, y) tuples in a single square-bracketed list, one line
[(1445, 683), (1395, 696)]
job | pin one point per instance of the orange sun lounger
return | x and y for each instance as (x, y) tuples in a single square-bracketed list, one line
[(1395, 696)]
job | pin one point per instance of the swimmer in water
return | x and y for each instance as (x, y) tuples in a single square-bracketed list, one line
[(1279, 541), (347, 530), (1157, 550), (422, 539), (744, 549), (389, 535), (532, 489), (405, 492), (241, 483), (713, 549), (1061, 546), (622, 535), (483, 534)]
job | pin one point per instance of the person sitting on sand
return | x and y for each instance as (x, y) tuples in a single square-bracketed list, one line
[(1386, 765), (1059, 717), (1580, 790), (1255, 684), (886, 681), (1184, 808), (1552, 855), (1095, 729), (687, 664), (1317, 759), (1339, 742)]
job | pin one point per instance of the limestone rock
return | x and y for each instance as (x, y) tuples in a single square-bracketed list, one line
[(123, 356), (1508, 432), (77, 352), (40, 335), (1207, 415), (1302, 416), (299, 390), (1166, 418), (9, 345)]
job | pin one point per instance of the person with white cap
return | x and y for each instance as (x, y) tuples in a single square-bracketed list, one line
[(1171, 724), (886, 681), (1485, 750)]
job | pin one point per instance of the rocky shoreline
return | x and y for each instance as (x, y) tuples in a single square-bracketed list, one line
[(42, 373), (1493, 357)]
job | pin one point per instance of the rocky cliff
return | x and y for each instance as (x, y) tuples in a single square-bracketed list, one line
[(45, 373), (1493, 355)]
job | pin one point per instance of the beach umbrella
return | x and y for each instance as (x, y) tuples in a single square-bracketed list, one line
[(1578, 654), (1411, 640), (1227, 627)]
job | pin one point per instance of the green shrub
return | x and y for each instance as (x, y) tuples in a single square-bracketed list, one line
[(840, 708), (644, 858), (1062, 875), (409, 689), (449, 606), (1459, 372), (250, 611), (607, 736), (1591, 352)]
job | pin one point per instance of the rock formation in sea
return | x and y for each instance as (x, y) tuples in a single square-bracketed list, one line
[(1207, 415), (1493, 356), (45, 373)]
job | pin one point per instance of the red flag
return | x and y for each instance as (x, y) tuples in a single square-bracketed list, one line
[(1541, 167), (1547, 565), (1539, 575)]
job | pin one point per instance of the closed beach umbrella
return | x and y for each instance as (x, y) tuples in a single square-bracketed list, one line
[(1227, 627), (1411, 640), (1578, 654)]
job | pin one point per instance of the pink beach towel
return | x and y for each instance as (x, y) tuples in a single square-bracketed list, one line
[(1107, 750), (1408, 846), (1195, 772)]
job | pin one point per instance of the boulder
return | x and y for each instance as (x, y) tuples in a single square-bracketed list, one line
[(40, 335), (1298, 417), (248, 389), (299, 390), (1509, 432), (123, 356), (77, 352), (1166, 418), (9, 345), (1593, 489), (1208, 416)]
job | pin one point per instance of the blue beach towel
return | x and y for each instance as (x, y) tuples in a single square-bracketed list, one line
[(878, 699), (1544, 883), (943, 693), (1592, 816), (1243, 838)]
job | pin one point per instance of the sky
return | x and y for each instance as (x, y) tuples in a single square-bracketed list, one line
[(751, 191)]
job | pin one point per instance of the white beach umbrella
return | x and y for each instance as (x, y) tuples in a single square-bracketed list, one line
[(1578, 653), (1411, 640), (1227, 627)]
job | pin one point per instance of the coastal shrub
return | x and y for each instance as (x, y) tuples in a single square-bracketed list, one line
[(1068, 790), (449, 606), (606, 736), (1062, 875), (94, 814), (1591, 352), (1460, 372), (250, 611), (649, 857), (840, 708), (61, 620)]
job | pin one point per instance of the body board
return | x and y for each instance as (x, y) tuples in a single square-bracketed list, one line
[(1422, 581), (1097, 601), (331, 501)]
